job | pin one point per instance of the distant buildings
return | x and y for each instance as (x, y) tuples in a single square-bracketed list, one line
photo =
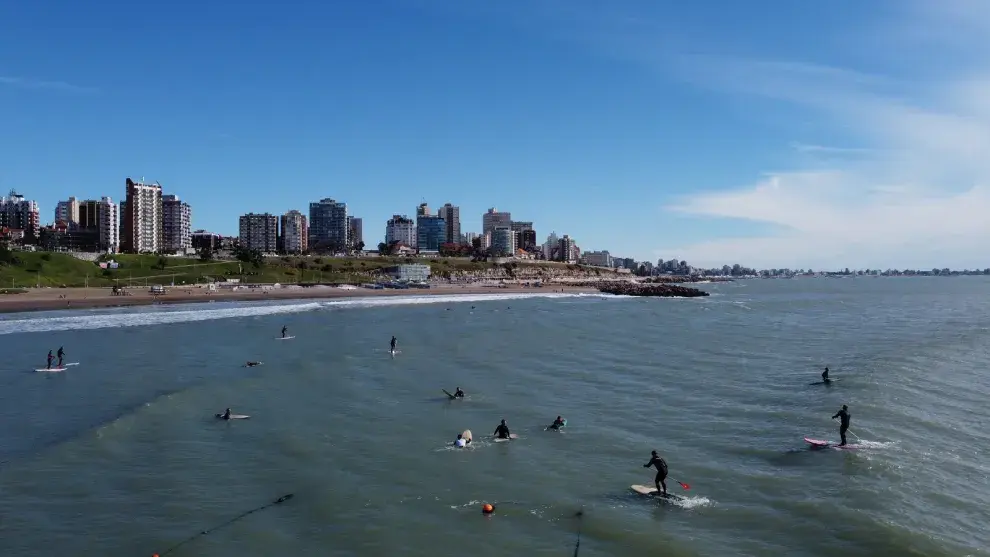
[(494, 218), (568, 251), (328, 225), (141, 218), (503, 241), (202, 240), (598, 258), (295, 233), (451, 214), (19, 214), (355, 232), (67, 211), (551, 246), (401, 229), (176, 225), (431, 233), (259, 232), (525, 236)]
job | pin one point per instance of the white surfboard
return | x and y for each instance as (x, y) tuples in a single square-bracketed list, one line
[(72, 364), (466, 435), (234, 416), (285, 338), (511, 437), (52, 370), (652, 491)]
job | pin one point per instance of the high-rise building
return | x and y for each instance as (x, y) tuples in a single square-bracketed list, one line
[(100, 216), (328, 225), (551, 247), (295, 233), (503, 241), (258, 232), (598, 258), (451, 214), (494, 218), (526, 240), (401, 229), (18, 213), (67, 211), (423, 210), (568, 251), (431, 233), (176, 224), (141, 218), (355, 231)]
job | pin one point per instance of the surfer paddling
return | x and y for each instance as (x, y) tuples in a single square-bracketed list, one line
[(460, 394), (844, 418), (461, 441), (557, 424), (661, 465), (502, 431)]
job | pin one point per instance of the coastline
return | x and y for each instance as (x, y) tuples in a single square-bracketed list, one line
[(50, 299)]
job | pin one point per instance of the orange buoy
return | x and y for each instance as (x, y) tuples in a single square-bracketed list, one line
[(487, 508)]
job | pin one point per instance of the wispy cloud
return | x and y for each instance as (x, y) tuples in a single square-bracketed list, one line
[(27, 83)]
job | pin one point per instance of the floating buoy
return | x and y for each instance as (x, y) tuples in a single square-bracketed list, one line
[(487, 508)]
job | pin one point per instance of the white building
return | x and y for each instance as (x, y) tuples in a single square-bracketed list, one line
[(258, 232), (17, 213), (551, 246), (67, 211), (493, 218), (598, 258), (141, 218), (402, 229), (295, 234), (504, 240), (176, 225)]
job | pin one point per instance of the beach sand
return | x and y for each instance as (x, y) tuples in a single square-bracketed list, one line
[(45, 299)]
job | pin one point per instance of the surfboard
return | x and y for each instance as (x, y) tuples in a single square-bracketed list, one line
[(452, 397), (511, 437), (52, 370), (651, 491), (821, 444), (466, 434), (285, 338), (550, 427), (234, 416), (829, 382), (72, 364)]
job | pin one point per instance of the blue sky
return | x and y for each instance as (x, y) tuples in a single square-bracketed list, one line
[(772, 134)]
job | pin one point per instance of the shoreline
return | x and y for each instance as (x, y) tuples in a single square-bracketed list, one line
[(51, 299)]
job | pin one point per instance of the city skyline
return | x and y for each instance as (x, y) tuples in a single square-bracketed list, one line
[(794, 139)]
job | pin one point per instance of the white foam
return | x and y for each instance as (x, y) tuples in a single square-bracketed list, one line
[(187, 313)]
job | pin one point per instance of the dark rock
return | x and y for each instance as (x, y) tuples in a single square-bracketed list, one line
[(657, 290)]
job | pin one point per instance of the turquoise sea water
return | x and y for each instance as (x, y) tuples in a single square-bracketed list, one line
[(121, 455)]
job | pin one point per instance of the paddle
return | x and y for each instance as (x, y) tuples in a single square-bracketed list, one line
[(684, 486)]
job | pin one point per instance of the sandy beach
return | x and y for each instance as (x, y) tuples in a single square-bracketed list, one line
[(46, 299)]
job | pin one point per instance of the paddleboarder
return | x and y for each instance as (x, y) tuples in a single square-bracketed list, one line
[(844, 417), (502, 431), (50, 358), (661, 465), (825, 378), (392, 344), (61, 354), (284, 329)]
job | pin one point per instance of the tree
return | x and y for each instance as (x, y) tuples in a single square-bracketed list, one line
[(162, 263), (206, 253), (382, 248), (359, 246)]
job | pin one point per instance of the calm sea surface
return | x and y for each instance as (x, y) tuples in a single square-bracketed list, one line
[(121, 455)]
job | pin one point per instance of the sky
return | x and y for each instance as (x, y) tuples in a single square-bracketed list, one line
[(771, 134)]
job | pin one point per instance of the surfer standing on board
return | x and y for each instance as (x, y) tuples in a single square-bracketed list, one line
[(50, 358), (284, 329), (61, 355), (661, 465), (825, 375), (392, 344), (502, 431), (843, 423)]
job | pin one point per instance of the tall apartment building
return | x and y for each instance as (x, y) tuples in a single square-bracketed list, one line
[(355, 231), (525, 235), (402, 229), (568, 251), (100, 216), (259, 232), (176, 224), (451, 214), (423, 210), (141, 218), (551, 247), (67, 211), (504, 241), (494, 218), (598, 258), (294, 236), (431, 233), (328, 225), (17, 213)]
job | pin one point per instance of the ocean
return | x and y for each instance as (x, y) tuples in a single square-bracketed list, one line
[(122, 455)]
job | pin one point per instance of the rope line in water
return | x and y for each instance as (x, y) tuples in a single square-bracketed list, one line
[(281, 499)]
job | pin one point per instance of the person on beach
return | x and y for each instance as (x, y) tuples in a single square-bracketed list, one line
[(661, 465), (284, 329), (61, 355), (844, 418), (50, 358), (459, 393), (825, 375), (392, 344), (557, 424), (502, 431)]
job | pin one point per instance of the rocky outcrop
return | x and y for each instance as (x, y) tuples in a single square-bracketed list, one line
[(667, 279), (657, 290)]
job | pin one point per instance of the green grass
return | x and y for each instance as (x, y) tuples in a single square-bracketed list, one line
[(29, 269)]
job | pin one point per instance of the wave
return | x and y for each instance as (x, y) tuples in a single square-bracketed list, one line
[(186, 313)]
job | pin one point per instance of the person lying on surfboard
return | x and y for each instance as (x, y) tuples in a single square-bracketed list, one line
[(252, 364), (502, 431), (661, 465), (557, 424), (461, 441), (825, 375), (459, 393), (844, 418)]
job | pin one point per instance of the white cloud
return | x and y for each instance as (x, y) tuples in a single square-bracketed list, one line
[(27, 83), (916, 196)]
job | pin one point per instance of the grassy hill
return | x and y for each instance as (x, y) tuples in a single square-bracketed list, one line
[(29, 269)]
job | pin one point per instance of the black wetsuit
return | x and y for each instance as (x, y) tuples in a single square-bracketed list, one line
[(392, 344), (825, 375), (226, 415), (459, 393), (50, 358), (283, 331), (844, 417), (61, 354), (557, 424), (661, 465), (502, 431)]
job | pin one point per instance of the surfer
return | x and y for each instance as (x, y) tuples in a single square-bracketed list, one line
[(50, 358), (502, 431), (844, 417), (392, 344), (825, 378), (661, 465), (557, 424), (61, 355), (284, 329), (461, 441), (226, 415), (459, 393), (252, 364)]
